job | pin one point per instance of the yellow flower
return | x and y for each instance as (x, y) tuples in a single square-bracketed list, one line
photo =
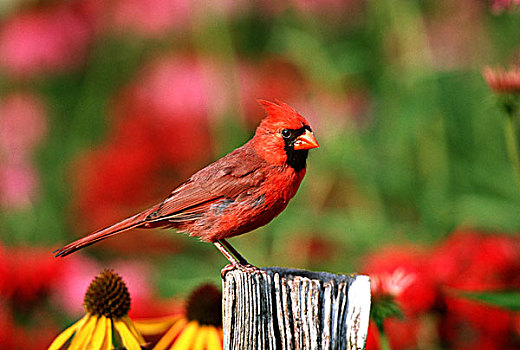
[(107, 302), (198, 328)]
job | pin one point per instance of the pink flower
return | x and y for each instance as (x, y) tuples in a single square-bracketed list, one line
[(502, 81), (151, 18), (18, 185), (22, 127), (23, 124), (502, 5), (176, 87), (44, 40), (78, 272)]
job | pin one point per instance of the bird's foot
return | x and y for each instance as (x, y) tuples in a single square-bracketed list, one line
[(247, 268)]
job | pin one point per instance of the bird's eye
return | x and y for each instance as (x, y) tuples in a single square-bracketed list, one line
[(286, 133)]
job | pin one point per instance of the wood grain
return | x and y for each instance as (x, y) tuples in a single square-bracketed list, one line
[(279, 308)]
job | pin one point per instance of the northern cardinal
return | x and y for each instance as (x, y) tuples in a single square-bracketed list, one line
[(236, 194)]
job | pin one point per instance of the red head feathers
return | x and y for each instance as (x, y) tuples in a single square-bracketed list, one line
[(284, 136), (280, 115)]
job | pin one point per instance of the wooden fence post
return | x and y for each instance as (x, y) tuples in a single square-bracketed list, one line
[(279, 308)]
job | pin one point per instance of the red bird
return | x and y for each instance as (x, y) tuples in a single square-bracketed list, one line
[(236, 194)]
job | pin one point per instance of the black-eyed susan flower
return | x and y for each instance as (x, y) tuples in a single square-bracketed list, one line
[(199, 327), (106, 323)]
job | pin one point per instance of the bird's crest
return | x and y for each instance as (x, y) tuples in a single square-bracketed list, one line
[(279, 112)]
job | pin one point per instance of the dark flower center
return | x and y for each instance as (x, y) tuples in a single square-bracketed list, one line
[(205, 306), (107, 296)]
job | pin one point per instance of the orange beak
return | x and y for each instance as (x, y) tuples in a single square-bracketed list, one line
[(306, 141)]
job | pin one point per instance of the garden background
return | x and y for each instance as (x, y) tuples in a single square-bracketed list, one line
[(107, 105)]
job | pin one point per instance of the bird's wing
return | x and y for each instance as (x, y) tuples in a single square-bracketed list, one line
[(236, 174)]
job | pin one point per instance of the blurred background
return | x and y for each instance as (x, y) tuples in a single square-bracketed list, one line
[(107, 105)]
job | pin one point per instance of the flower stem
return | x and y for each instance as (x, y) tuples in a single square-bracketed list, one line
[(384, 343), (512, 145)]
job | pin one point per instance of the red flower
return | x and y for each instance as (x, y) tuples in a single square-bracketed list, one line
[(460, 334), (29, 274), (419, 293), (470, 261), (476, 261), (113, 178), (27, 278), (481, 318), (402, 333), (161, 134), (13, 336), (7, 328), (517, 324)]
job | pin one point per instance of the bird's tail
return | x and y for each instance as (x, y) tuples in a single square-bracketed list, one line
[(127, 224)]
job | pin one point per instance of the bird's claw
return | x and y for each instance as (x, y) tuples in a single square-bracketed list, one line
[(248, 268)]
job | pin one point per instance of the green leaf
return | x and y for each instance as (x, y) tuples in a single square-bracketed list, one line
[(383, 307), (507, 299)]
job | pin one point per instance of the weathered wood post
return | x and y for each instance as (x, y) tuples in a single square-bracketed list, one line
[(279, 308)]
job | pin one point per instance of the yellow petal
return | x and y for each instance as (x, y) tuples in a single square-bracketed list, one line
[(100, 332), (156, 326), (214, 339), (83, 320), (201, 338), (126, 320), (107, 343), (64, 336), (129, 341), (168, 337), (84, 334), (187, 337)]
